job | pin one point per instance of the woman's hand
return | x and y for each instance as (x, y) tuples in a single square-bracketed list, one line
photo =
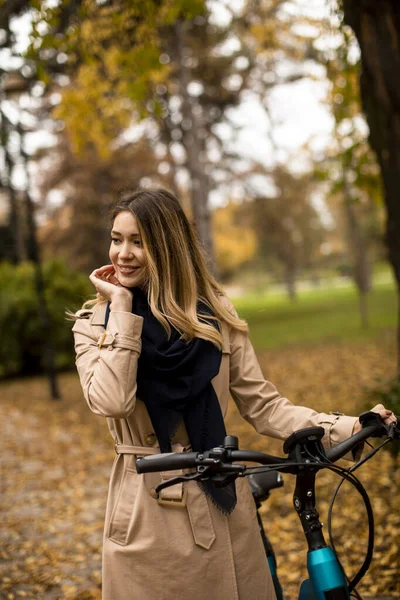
[(387, 417), (108, 286)]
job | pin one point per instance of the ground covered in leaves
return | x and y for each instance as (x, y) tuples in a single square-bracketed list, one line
[(55, 459)]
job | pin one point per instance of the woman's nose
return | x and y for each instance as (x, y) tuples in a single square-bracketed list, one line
[(125, 252)]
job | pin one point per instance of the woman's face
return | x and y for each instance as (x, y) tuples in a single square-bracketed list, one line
[(126, 251)]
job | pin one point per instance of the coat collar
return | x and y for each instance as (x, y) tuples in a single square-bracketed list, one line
[(99, 314)]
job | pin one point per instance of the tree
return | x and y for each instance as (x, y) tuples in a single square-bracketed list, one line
[(287, 226), (377, 28), (16, 85), (13, 89), (350, 167), (15, 250)]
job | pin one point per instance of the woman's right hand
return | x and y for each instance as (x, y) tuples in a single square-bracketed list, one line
[(108, 286)]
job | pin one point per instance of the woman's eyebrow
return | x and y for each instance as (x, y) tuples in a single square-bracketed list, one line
[(131, 235)]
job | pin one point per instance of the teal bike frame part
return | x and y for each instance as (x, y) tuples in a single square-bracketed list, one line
[(327, 581), (277, 585)]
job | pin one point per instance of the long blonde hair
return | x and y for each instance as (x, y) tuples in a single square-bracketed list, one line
[(178, 276)]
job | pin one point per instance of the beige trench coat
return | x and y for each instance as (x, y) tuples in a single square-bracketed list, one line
[(179, 547)]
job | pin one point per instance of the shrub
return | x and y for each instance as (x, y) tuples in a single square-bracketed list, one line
[(22, 335)]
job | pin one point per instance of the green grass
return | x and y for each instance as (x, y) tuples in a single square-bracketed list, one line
[(327, 314)]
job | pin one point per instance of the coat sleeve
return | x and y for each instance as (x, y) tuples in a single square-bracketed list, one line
[(107, 363), (260, 403)]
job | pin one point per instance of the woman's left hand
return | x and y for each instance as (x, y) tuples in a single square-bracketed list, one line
[(386, 415)]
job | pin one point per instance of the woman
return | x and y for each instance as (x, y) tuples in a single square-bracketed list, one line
[(158, 353)]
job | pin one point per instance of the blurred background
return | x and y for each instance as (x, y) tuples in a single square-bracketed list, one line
[(277, 125)]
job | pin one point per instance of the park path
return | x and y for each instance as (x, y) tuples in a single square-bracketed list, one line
[(51, 519)]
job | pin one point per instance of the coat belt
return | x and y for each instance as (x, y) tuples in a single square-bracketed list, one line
[(177, 495), (140, 450)]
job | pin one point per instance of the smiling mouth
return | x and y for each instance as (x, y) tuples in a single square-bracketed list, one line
[(128, 270)]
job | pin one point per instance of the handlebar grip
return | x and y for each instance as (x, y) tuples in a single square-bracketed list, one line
[(170, 461), (339, 451), (369, 418)]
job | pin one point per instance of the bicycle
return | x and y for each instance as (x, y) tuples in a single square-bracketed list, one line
[(306, 456), (261, 485)]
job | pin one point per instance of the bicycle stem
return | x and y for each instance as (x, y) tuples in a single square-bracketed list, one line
[(304, 503)]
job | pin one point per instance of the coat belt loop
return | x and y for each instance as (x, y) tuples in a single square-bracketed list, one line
[(176, 494)]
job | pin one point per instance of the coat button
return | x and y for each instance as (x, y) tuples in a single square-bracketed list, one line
[(150, 438)]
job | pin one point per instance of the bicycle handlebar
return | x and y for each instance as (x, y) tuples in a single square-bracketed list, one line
[(221, 459), (168, 461), (189, 460)]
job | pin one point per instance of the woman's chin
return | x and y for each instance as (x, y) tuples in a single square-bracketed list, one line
[(130, 281), (133, 276)]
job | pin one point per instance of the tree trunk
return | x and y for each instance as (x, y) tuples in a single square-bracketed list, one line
[(363, 302), (34, 256), (398, 332), (361, 268), (166, 126), (291, 282), (377, 27), (17, 251), (200, 184)]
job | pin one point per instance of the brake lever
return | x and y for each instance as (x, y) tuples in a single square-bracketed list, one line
[(179, 479), (203, 472), (394, 430)]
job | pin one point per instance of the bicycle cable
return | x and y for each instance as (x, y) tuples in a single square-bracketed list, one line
[(355, 592), (267, 468), (364, 567)]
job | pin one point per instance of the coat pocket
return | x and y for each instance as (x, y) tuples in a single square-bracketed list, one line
[(123, 509)]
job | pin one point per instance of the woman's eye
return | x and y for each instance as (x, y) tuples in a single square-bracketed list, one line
[(137, 243)]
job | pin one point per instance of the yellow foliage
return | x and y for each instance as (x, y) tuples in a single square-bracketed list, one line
[(116, 53), (234, 244)]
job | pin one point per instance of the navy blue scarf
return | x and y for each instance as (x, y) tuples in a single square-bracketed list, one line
[(174, 382)]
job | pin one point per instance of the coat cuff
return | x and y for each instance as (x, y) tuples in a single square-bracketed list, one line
[(125, 323), (123, 330), (342, 428)]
